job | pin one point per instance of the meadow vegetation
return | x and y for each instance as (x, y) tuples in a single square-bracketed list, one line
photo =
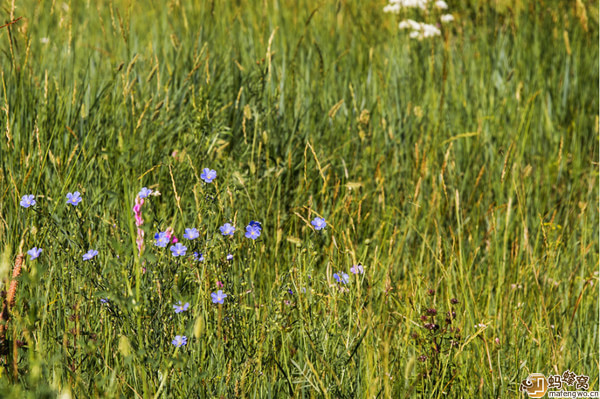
[(460, 171)]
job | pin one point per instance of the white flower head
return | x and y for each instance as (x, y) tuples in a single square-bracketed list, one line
[(420, 30), (409, 24), (441, 4), (430, 30), (447, 18), (392, 8), (422, 4), (414, 34)]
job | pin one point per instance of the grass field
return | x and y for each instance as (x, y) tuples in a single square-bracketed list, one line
[(461, 172)]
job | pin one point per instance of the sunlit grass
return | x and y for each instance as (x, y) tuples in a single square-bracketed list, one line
[(460, 171)]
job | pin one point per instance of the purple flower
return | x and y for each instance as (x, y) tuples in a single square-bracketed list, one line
[(74, 198), (208, 175), (144, 192), (318, 223), (179, 341), (103, 300), (90, 254), (252, 232), (179, 307), (229, 256), (218, 297), (178, 249), (34, 253), (191, 234), (255, 224), (27, 201), (162, 239), (199, 257), (341, 277), (227, 229), (357, 269)]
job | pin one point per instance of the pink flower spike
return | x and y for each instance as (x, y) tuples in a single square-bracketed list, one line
[(140, 241), (137, 210), (219, 284)]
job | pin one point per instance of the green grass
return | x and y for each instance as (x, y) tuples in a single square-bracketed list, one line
[(465, 164)]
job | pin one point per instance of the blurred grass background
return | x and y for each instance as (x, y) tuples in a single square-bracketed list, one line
[(466, 164)]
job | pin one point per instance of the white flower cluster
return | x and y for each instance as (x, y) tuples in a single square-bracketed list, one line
[(447, 18), (419, 30), (396, 5)]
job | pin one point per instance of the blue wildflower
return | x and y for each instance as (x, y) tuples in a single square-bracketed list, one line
[(28, 200), (162, 239), (318, 223), (199, 256), (178, 249), (255, 224), (208, 175), (179, 341), (179, 307), (74, 198), (252, 232), (218, 297), (34, 253), (229, 256), (191, 234), (357, 269), (341, 277), (144, 192), (103, 300), (90, 254), (227, 229)]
